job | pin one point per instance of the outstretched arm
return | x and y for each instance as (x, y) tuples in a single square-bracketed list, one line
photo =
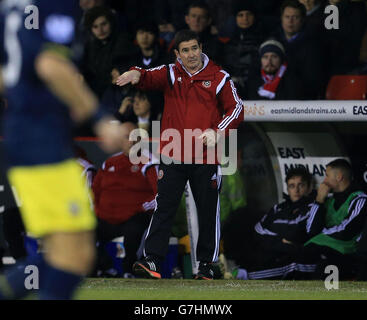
[(132, 76)]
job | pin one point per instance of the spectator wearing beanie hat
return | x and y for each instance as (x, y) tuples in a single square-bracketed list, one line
[(274, 80), (241, 51)]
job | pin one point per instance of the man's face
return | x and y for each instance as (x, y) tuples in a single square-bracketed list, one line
[(197, 19), (141, 106), (145, 39), (270, 62), (297, 188), (332, 178), (101, 28), (190, 54), (291, 21), (245, 19)]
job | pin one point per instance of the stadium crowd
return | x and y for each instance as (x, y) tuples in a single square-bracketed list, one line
[(297, 63), (272, 50)]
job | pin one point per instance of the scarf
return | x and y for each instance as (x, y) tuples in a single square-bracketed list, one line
[(271, 82)]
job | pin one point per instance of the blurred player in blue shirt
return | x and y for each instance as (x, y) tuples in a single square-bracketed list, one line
[(45, 96)]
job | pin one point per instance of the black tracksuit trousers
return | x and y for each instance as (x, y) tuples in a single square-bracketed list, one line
[(205, 181)]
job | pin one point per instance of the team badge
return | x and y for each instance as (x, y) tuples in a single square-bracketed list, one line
[(134, 168), (206, 84), (74, 208), (160, 174)]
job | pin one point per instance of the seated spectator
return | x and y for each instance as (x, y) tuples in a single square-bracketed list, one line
[(279, 235), (141, 108), (344, 45), (150, 52), (338, 219), (114, 95), (242, 50), (198, 19), (274, 80), (124, 196), (303, 50), (82, 32), (105, 50)]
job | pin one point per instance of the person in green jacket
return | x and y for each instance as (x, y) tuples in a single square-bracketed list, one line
[(336, 218)]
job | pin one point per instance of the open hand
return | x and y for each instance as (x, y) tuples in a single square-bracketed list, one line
[(132, 76)]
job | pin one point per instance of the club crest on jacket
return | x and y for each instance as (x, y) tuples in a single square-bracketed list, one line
[(206, 84)]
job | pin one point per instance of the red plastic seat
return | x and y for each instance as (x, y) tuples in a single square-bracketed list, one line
[(347, 87)]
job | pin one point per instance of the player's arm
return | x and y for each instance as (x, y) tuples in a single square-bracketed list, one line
[(60, 75)]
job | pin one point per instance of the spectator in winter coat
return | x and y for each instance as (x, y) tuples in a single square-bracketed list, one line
[(107, 49), (274, 79), (303, 50), (198, 19), (141, 108), (150, 51), (242, 50)]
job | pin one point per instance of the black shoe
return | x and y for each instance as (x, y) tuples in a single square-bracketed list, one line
[(205, 271), (147, 269)]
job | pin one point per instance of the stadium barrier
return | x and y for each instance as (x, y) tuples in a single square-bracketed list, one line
[(297, 110)]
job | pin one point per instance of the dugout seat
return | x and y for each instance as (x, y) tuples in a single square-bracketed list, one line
[(347, 87)]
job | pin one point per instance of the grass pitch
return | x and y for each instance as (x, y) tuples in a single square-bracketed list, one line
[(172, 289)]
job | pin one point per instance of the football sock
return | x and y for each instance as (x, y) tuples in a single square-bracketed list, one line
[(58, 284)]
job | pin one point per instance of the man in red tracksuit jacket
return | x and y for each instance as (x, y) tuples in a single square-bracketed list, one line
[(200, 96), (124, 198)]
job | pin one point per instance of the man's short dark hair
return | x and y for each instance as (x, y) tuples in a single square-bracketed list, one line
[(199, 4), (342, 165), (185, 35), (294, 4), (147, 26), (92, 14), (302, 172)]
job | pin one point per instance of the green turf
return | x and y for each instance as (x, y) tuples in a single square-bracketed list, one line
[(169, 289)]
